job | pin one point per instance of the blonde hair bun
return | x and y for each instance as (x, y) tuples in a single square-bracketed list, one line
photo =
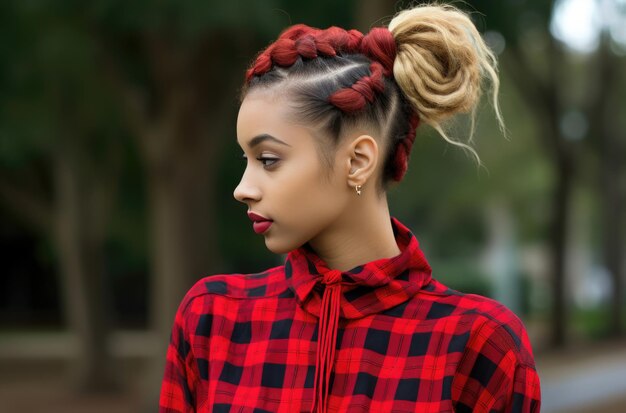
[(441, 62)]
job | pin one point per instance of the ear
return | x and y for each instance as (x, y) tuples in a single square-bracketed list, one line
[(362, 159)]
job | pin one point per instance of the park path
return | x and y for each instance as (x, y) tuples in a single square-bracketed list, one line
[(590, 379)]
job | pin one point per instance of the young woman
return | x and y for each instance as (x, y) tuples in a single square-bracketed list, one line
[(353, 321)]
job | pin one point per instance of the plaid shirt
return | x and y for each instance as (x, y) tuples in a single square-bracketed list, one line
[(392, 339)]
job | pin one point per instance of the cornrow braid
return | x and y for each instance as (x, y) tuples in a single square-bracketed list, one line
[(427, 66), (305, 42), (403, 149), (380, 46), (355, 97)]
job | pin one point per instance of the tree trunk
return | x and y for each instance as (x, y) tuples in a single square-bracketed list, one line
[(564, 157), (544, 100), (613, 207), (610, 153), (560, 219), (79, 224), (183, 228), (613, 214)]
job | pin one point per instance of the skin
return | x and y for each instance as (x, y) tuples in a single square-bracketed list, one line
[(284, 182)]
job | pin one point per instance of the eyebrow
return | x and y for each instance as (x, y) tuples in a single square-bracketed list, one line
[(257, 140)]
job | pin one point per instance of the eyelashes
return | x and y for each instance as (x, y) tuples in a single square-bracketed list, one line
[(272, 161), (267, 162)]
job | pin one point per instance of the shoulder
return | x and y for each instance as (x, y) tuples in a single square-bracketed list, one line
[(269, 283), (496, 368), (491, 323)]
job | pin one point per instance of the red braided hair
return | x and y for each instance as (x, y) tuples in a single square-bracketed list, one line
[(379, 46), (306, 42), (403, 149), (355, 97)]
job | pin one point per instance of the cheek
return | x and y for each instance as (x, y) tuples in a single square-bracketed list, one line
[(303, 191), (311, 197), (305, 204)]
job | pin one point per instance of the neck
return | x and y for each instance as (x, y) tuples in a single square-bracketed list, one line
[(363, 234)]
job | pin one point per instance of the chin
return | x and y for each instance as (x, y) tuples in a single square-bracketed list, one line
[(278, 246)]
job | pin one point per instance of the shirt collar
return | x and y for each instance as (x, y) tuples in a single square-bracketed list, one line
[(365, 289)]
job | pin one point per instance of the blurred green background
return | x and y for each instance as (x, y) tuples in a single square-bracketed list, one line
[(118, 160)]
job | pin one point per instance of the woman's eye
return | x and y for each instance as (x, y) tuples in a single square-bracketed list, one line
[(267, 162)]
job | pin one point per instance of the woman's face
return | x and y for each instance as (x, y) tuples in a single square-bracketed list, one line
[(284, 180)]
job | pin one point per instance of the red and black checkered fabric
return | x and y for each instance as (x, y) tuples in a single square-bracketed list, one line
[(248, 343)]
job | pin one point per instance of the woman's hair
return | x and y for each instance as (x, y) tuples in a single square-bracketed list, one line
[(427, 66)]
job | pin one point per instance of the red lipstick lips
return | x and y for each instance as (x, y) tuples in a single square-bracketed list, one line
[(260, 223)]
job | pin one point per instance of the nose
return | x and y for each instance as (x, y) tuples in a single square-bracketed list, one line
[(246, 191)]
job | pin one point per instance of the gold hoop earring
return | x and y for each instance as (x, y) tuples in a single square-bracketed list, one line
[(358, 189)]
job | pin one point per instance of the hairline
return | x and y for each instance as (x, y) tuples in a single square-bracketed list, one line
[(326, 147)]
